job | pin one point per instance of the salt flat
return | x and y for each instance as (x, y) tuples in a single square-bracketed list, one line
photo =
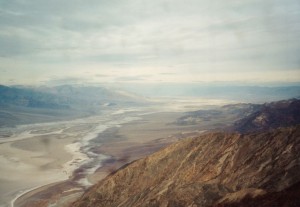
[(40, 154)]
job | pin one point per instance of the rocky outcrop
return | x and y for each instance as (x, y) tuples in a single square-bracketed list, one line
[(204, 171), (289, 197), (270, 116)]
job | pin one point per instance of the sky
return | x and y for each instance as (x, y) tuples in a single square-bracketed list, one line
[(143, 41)]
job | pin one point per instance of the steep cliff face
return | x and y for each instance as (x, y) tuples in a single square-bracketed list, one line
[(204, 170)]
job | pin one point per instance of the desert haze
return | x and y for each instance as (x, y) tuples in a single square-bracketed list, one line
[(138, 103), (56, 143)]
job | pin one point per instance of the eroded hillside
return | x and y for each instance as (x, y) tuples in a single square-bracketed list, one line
[(270, 116), (203, 171)]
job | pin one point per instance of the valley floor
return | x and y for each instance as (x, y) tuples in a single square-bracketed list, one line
[(53, 163)]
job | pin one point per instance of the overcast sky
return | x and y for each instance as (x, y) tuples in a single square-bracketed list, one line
[(149, 41)]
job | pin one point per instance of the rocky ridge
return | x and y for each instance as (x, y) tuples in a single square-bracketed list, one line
[(204, 171), (270, 116)]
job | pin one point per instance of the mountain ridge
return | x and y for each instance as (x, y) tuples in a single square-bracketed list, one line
[(200, 171), (270, 116), (25, 105)]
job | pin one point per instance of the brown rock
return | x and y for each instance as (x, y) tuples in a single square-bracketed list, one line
[(270, 116), (289, 197), (201, 171)]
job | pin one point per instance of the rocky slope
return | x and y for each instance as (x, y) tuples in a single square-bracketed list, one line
[(244, 117), (204, 171), (270, 116), (286, 198)]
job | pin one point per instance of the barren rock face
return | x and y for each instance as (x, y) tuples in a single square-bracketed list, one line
[(270, 116), (201, 171), (288, 198)]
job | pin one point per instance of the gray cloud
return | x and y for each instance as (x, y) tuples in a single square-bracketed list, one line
[(66, 81), (194, 35), (131, 78)]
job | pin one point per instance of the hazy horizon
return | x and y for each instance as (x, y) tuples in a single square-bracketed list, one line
[(89, 86)]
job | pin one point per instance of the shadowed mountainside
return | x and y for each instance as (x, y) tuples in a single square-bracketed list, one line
[(204, 170), (246, 117), (25, 97), (63, 97), (25, 105), (270, 116), (285, 198), (220, 117)]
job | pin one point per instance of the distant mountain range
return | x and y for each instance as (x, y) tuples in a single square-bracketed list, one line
[(217, 168), (246, 117), (24, 105), (63, 97), (270, 116), (25, 97), (238, 93), (85, 96), (219, 117)]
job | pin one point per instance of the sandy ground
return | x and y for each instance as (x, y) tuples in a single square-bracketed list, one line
[(32, 162), (121, 144), (40, 154)]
